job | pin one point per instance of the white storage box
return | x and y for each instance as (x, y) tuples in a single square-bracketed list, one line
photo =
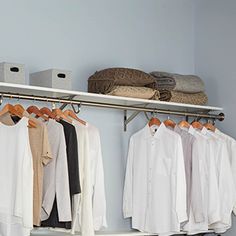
[(12, 73), (52, 78)]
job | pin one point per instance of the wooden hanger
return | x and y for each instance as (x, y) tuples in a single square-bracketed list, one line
[(48, 112), (210, 126), (58, 112), (184, 124), (197, 125), (70, 113), (19, 108), (37, 112), (170, 123), (11, 109), (8, 108), (154, 121)]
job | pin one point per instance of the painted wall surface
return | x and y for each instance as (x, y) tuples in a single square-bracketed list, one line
[(215, 58), (89, 35)]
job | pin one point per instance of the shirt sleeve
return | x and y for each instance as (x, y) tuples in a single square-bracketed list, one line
[(232, 153), (181, 203), (213, 190), (99, 197), (128, 193), (46, 149), (27, 189), (73, 159), (62, 182), (196, 187), (226, 186)]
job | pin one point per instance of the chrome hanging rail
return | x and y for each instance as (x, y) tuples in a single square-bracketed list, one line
[(219, 117)]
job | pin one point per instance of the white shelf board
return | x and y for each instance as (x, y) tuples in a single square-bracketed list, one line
[(100, 98), (48, 232)]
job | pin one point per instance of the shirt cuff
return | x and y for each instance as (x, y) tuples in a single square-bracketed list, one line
[(99, 223), (213, 218), (127, 214), (182, 217), (199, 217)]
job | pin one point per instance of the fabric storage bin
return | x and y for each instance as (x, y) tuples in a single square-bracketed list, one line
[(52, 78), (12, 73)]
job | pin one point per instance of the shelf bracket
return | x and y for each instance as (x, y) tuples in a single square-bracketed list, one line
[(129, 119), (65, 104)]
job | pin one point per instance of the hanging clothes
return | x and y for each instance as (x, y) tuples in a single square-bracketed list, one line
[(98, 179), (226, 186), (231, 147), (73, 173), (90, 213), (41, 153), (187, 142), (83, 209), (155, 184), (205, 204), (56, 180), (16, 182)]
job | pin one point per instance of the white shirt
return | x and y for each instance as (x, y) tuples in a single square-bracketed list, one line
[(94, 178), (231, 146), (56, 180), (155, 185), (16, 180), (98, 183), (83, 210), (205, 207), (226, 185)]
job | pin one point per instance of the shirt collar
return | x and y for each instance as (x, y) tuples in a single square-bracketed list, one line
[(204, 130), (148, 133), (191, 130)]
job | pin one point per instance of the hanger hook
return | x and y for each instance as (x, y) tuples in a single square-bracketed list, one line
[(154, 114), (1, 99), (186, 117), (214, 121), (53, 105)]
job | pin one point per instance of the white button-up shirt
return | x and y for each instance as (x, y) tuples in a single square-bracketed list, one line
[(89, 211), (226, 185), (231, 146), (155, 184), (205, 202)]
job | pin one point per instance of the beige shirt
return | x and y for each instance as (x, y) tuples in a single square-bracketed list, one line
[(41, 153)]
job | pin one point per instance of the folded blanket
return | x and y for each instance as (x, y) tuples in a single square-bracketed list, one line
[(135, 92), (180, 83), (189, 98), (104, 81), (165, 95), (163, 82)]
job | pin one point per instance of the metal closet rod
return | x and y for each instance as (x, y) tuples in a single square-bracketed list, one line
[(219, 117)]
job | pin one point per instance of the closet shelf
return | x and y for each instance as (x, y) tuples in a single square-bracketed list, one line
[(46, 232), (91, 98), (111, 233)]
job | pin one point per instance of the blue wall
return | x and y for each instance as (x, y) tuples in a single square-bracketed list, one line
[(88, 35), (215, 57)]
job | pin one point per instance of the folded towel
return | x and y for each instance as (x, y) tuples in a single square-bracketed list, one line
[(180, 83), (189, 98), (163, 82)]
